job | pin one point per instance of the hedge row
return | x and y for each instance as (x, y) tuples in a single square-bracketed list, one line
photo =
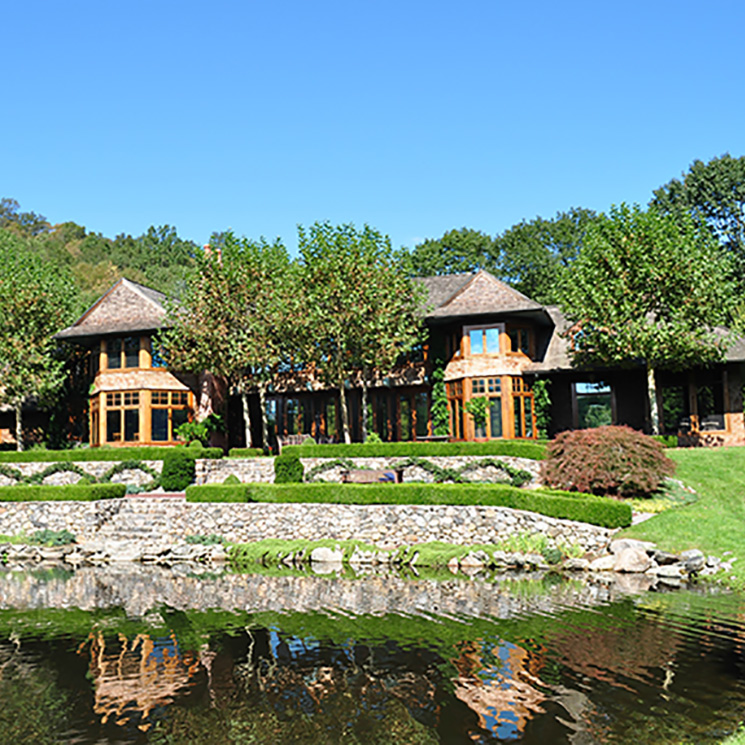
[(92, 454), (608, 513), (72, 493), (533, 449)]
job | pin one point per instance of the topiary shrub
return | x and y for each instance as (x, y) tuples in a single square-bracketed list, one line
[(288, 470), (232, 479), (179, 467), (613, 461)]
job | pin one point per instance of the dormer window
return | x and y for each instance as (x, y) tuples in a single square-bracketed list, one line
[(484, 339), (123, 352), (519, 340)]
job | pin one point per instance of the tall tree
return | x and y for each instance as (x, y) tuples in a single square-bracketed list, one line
[(37, 300), (462, 250), (236, 317), (648, 288), (363, 311), (533, 256), (713, 194)]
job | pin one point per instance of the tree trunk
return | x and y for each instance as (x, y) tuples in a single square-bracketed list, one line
[(246, 418), (344, 413), (654, 414), (264, 421), (19, 425), (364, 405)]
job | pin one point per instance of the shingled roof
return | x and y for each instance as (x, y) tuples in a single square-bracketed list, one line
[(126, 308), (455, 295)]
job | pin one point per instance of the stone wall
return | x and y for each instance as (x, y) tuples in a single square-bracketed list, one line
[(94, 468), (253, 470), (167, 520)]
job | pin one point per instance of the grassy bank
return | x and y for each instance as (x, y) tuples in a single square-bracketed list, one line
[(716, 522)]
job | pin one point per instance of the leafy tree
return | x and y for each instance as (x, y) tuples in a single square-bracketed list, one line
[(463, 250), (648, 288), (161, 258), (37, 300), (533, 256), (236, 318), (363, 311), (23, 223), (713, 194)]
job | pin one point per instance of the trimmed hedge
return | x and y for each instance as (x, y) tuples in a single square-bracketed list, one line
[(533, 449), (92, 454), (245, 453), (72, 493), (179, 469), (608, 513), (288, 469)]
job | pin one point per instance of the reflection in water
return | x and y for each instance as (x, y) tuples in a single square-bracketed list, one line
[(534, 663)]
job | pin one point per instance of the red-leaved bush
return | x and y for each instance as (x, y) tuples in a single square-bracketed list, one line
[(617, 461)]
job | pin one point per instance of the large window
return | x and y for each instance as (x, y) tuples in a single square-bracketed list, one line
[(519, 340), (123, 416), (484, 339), (594, 405), (169, 410), (123, 352), (491, 388), (522, 403)]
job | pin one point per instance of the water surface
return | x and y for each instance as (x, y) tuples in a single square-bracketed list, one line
[(143, 655)]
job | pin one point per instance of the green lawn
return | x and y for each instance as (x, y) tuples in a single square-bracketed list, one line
[(716, 522)]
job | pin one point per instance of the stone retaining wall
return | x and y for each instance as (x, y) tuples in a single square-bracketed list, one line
[(94, 468), (253, 470), (165, 520)]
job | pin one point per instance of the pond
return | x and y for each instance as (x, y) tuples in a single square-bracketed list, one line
[(142, 655)]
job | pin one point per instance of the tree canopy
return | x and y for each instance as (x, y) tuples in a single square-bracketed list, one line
[(362, 310), (236, 317), (647, 288), (37, 300), (713, 194), (532, 256)]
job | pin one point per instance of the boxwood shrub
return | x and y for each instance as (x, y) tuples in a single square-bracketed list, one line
[(179, 467), (587, 508), (95, 454), (72, 493), (288, 469), (534, 449)]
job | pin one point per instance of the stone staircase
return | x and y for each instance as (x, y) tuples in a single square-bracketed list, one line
[(142, 519)]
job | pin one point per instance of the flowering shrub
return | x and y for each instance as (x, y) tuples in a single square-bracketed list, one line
[(608, 461)]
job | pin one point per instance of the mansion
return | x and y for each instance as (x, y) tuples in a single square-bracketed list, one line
[(489, 340)]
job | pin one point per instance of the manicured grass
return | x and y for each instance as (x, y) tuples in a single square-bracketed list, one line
[(715, 523), (91, 454)]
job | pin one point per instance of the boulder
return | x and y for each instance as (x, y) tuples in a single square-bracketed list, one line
[(602, 564), (670, 571), (663, 558), (576, 564), (632, 559), (621, 544), (693, 561)]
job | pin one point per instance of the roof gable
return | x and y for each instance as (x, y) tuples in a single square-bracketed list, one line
[(127, 307), (478, 294)]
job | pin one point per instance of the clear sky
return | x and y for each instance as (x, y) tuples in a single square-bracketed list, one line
[(415, 117)]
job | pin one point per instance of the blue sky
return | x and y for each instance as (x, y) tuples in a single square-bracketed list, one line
[(415, 117)]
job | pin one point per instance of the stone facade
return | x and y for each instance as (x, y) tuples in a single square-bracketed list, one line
[(168, 520)]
